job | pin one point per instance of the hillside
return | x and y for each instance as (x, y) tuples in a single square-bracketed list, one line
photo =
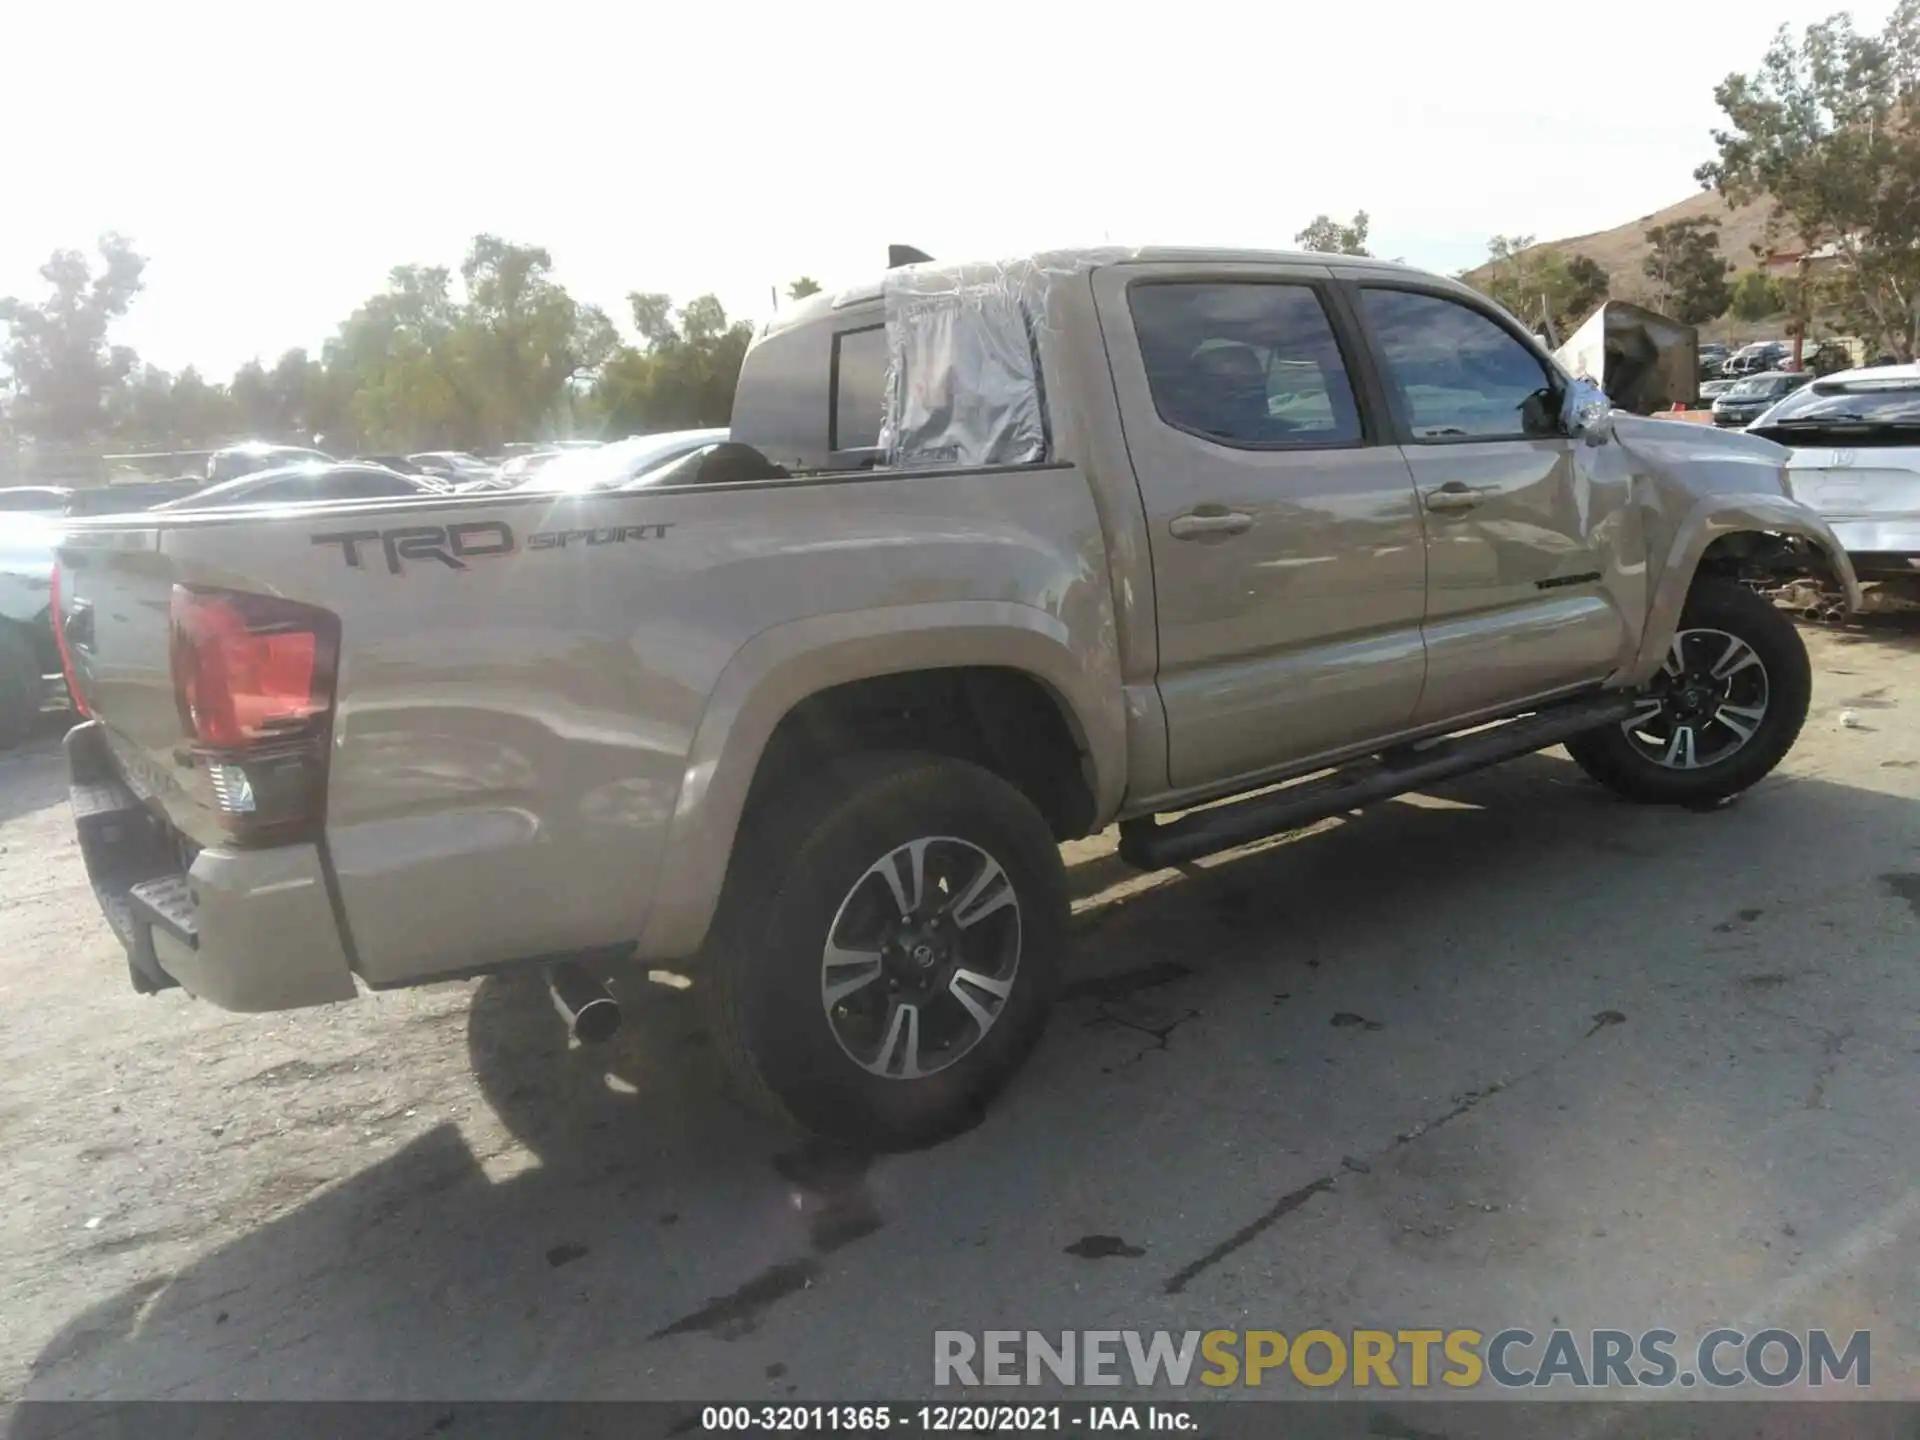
[(1621, 250)]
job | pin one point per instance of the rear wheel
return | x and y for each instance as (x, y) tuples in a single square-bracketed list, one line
[(1724, 709), (20, 685), (888, 948)]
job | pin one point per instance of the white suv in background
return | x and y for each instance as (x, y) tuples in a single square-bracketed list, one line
[(1855, 443)]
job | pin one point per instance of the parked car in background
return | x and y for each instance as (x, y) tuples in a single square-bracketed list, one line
[(132, 495), (1749, 397), (458, 468), (29, 658), (516, 470), (391, 462), (608, 467), (254, 455), (1825, 357), (1712, 357), (1854, 458), (1758, 358), (1711, 390), (304, 484), (30, 678), (35, 499), (516, 448)]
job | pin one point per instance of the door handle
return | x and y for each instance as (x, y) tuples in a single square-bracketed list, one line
[(1452, 497), (1200, 524)]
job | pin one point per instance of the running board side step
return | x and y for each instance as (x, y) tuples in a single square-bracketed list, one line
[(1149, 845)]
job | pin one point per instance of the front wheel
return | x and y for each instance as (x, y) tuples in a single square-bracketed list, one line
[(1724, 709), (888, 948)]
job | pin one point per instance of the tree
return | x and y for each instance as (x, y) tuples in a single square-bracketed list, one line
[(1579, 288), (502, 355), (524, 340), (682, 376), (141, 413), (1689, 272), (1825, 131), (1539, 284), (64, 373), (1754, 296), (1328, 237), (806, 285), (201, 413)]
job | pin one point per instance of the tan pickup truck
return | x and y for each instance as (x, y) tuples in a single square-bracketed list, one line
[(1208, 543)]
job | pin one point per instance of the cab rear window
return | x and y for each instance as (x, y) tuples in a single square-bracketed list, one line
[(859, 387)]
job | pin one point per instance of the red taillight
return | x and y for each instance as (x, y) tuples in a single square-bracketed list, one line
[(253, 677), (60, 640)]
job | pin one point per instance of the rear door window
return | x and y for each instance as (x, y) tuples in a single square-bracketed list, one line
[(1249, 365)]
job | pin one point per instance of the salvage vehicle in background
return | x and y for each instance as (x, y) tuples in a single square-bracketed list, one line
[(996, 556), (126, 497), (398, 463), (1751, 396), (1645, 361), (516, 470), (458, 468), (607, 467), (1756, 359), (1854, 458), (255, 455), (30, 675), (300, 484), (34, 499), (30, 672)]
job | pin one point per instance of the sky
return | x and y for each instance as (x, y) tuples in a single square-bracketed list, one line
[(274, 162)]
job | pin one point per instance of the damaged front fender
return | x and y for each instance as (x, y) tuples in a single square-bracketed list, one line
[(1696, 488)]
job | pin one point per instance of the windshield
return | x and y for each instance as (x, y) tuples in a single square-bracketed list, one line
[(1757, 388), (610, 465)]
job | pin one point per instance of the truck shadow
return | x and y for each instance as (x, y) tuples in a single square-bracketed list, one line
[(638, 1206)]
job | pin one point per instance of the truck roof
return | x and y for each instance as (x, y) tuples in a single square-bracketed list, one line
[(1072, 258)]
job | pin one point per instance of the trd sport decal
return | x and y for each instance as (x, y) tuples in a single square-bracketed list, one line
[(454, 545)]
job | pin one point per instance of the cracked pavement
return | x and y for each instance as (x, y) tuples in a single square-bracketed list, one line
[(1507, 1053)]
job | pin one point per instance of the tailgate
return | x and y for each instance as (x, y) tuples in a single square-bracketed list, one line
[(115, 586)]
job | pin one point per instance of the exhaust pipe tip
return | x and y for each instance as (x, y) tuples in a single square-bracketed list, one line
[(597, 1022), (591, 1013)]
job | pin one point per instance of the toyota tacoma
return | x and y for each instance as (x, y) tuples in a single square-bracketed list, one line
[(1210, 544)]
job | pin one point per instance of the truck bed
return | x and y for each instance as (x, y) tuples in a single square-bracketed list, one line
[(533, 691)]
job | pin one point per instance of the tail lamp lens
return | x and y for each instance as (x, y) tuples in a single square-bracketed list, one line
[(253, 678)]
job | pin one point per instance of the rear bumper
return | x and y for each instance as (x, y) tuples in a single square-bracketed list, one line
[(245, 930), (1885, 540)]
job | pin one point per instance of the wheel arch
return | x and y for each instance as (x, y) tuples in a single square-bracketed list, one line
[(1024, 693), (1719, 536)]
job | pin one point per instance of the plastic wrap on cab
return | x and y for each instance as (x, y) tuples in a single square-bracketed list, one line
[(964, 380)]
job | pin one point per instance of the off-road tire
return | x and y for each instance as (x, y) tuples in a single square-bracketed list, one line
[(1610, 757), (800, 855), (20, 685)]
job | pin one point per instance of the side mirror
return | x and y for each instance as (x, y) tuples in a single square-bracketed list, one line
[(1588, 413)]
